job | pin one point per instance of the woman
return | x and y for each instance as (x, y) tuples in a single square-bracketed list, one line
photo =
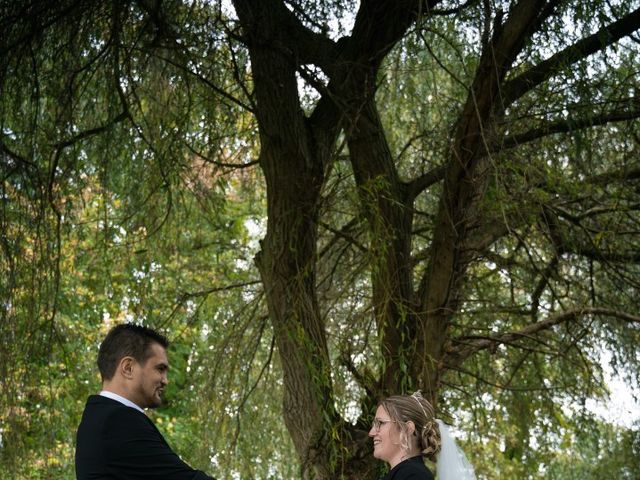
[(404, 430)]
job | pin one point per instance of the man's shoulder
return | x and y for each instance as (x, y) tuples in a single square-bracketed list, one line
[(100, 401), (98, 405), (112, 419)]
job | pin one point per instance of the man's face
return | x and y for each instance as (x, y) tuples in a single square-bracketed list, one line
[(150, 378)]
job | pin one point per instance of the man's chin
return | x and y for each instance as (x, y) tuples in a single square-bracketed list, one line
[(158, 400), (154, 402)]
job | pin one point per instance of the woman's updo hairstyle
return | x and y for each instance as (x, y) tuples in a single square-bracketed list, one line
[(414, 408)]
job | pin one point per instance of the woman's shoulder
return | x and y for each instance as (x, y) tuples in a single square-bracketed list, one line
[(410, 469)]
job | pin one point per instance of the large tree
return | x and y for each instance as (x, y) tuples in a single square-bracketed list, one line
[(451, 187)]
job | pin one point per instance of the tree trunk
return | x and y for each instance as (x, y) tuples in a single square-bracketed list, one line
[(384, 202), (412, 322), (293, 169)]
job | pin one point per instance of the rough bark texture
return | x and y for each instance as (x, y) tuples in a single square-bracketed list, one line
[(294, 175)]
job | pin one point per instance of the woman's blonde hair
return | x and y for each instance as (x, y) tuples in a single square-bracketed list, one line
[(414, 408)]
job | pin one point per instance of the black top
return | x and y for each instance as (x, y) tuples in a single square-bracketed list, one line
[(410, 469), (119, 442)]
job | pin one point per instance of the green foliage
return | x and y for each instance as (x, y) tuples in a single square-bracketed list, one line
[(129, 193)]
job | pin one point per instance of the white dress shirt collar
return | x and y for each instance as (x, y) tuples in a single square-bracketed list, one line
[(121, 399)]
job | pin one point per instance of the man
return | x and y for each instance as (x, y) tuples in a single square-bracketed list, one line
[(116, 440)]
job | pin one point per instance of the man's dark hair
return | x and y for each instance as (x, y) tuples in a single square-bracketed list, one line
[(126, 340)]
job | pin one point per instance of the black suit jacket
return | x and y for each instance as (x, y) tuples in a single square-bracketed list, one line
[(118, 442)]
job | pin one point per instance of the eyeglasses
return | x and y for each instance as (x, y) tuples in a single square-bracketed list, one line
[(377, 424)]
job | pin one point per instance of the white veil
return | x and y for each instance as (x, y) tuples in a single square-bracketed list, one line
[(452, 464)]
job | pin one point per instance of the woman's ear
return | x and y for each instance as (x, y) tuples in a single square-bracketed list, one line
[(411, 428)]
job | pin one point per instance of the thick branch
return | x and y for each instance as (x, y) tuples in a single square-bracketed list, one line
[(616, 176), (379, 26), (596, 254), (305, 45), (569, 125), (470, 346), (424, 181), (603, 38)]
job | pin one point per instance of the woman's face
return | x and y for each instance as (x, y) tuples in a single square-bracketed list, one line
[(386, 438)]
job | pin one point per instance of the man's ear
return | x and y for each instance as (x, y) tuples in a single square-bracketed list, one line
[(125, 367)]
